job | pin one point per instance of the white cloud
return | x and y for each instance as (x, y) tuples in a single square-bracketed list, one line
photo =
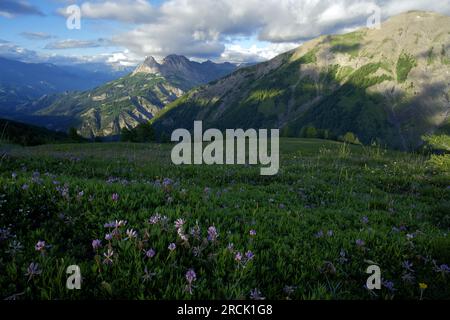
[(204, 28), (239, 54)]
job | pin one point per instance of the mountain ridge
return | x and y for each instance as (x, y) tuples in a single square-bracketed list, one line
[(389, 86)]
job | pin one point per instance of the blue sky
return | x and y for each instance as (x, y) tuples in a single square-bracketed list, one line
[(125, 31)]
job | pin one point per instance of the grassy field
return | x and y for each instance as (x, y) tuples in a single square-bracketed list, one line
[(308, 233)]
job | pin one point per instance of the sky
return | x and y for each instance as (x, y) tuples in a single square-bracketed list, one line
[(124, 32)]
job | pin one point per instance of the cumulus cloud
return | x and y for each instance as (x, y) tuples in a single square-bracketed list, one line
[(76, 44), (203, 28), (12, 8)]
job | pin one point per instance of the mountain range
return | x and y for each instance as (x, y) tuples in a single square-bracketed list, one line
[(389, 85), (125, 102), (22, 82)]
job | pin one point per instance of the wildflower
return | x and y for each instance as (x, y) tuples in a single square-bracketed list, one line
[(147, 275), (109, 225), (407, 265), (108, 256), (33, 270), (25, 187), (155, 219), (342, 256), (212, 233), (195, 231), (167, 182), (96, 244), (190, 278), (40, 246), (131, 233), (249, 255), (365, 220), (230, 247), (253, 233), (330, 233), (179, 223), (408, 277), (13, 175), (410, 236), (150, 253), (120, 223), (172, 246), (422, 287), (360, 243), (108, 236), (443, 268), (255, 294), (319, 234), (115, 197), (182, 235), (389, 285), (238, 257)]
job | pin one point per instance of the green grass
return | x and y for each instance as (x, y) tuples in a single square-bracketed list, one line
[(321, 186), (404, 65)]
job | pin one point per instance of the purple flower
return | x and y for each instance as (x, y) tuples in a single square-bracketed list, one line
[(110, 224), (407, 265), (238, 257), (25, 187), (155, 219), (191, 276), (443, 268), (230, 247), (172, 246), (96, 244), (389, 285), (253, 232), (179, 223), (212, 233), (115, 197), (14, 175), (33, 270), (330, 233), (40, 246), (249, 255), (108, 237), (167, 182), (365, 220), (360, 243), (150, 253), (255, 294)]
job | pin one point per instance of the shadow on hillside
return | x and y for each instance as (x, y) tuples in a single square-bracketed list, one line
[(349, 108)]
